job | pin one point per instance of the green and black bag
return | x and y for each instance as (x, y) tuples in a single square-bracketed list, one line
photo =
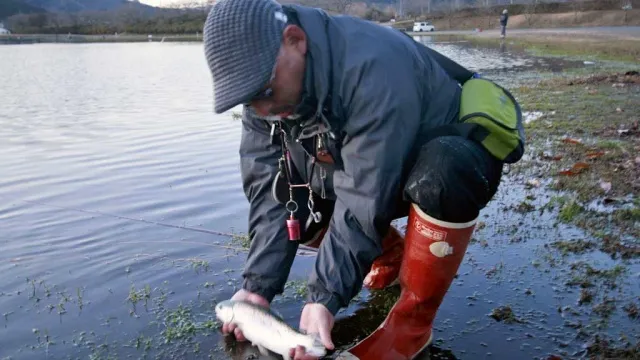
[(489, 113), (493, 108)]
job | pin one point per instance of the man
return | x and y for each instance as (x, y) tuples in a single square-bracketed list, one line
[(346, 126), (504, 18)]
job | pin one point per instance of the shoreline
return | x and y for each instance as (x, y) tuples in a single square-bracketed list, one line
[(19, 39), (626, 33)]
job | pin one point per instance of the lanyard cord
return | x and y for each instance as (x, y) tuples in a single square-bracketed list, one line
[(291, 205), (286, 154)]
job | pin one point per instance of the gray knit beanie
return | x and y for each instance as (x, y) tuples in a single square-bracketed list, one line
[(241, 41)]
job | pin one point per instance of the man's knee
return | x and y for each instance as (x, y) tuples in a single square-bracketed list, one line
[(453, 179)]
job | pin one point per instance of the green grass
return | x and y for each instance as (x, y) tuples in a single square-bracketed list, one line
[(564, 46), (584, 110), (569, 211), (241, 240)]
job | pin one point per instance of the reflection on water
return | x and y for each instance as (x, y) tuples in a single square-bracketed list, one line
[(491, 60), (111, 156), (497, 61)]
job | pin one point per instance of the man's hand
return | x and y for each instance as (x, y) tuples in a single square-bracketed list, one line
[(315, 319), (243, 295)]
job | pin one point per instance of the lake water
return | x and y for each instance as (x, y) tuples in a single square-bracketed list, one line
[(119, 190)]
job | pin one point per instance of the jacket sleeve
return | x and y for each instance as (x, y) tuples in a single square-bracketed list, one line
[(381, 101), (271, 254)]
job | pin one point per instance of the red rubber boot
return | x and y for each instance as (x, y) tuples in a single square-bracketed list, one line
[(386, 268), (433, 252)]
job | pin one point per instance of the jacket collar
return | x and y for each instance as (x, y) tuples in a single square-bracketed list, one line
[(317, 82)]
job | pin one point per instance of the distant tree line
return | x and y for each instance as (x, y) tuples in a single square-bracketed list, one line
[(190, 19), (466, 8), (109, 22)]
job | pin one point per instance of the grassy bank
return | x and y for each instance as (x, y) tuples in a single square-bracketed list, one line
[(587, 145), (550, 20), (587, 47)]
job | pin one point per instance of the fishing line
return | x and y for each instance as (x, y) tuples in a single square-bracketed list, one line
[(301, 250), (96, 212)]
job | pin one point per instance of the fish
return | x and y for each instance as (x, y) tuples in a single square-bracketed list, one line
[(266, 330)]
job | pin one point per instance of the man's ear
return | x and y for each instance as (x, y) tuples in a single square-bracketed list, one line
[(294, 36)]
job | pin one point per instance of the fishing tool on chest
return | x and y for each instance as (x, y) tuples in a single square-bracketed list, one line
[(285, 166)]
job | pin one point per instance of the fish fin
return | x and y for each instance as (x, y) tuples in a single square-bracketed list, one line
[(263, 350)]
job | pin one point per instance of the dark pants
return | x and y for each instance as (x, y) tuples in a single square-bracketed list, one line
[(503, 30), (452, 179)]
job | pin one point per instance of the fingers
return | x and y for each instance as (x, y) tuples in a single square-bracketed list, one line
[(299, 354), (233, 328), (325, 337), (228, 328), (258, 300), (239, 335)]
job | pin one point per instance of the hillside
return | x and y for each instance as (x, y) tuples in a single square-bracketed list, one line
[(11, 7), (121, 16), (77, 5)]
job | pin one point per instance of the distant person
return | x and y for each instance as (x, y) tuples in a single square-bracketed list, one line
[(504, 18), (346, 126)]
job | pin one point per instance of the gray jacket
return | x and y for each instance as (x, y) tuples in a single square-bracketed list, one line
[(504, 18), (379, 93)]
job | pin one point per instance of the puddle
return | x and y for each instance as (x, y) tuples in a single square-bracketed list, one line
[(530, 116), (608, 205), (501, 62)]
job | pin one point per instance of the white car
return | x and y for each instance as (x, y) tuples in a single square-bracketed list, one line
[(423, 26)]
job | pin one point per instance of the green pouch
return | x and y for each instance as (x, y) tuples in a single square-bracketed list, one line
[(498, 118)]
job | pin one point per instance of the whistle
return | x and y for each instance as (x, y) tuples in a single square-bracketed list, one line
[(293, 226)]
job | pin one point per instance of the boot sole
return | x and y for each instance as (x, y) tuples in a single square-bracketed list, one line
[(424, 347), (349, 356)]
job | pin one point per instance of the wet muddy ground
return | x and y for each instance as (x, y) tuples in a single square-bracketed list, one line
[(552, 271)]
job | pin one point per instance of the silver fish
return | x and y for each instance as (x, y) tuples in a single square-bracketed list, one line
[(266, 330)]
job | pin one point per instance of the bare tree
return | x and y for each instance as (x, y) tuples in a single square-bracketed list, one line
[(342, 6), (422, 4), (577, 6), (626, 6), (401, 9), (530, 11), (450, 10), (54, 22), (484, 9)]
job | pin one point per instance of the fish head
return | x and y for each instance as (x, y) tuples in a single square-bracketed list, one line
[(314, 346), (224, 311)]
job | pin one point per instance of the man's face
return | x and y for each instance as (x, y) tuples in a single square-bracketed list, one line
[(282, 94)]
